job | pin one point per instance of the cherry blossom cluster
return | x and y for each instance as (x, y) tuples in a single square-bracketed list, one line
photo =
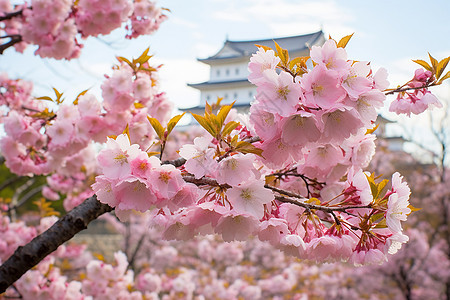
[(306, 117), (40, 141), (16, 95), (56, 26), (300, 186), (419, 99), (132, 180)]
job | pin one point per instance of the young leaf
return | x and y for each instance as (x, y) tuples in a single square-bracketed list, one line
[(229, 127), (123, 59), (441, 67), (344, 41), (381, 186), (446, 76), (45, 98), (282, 54), (173, 122), (208, 108), (413, 209), (45, 114), (138, 105), (370, 131), (264, 47), (153, 153), (223, 113), (75, 102), (157, 126), (59, 98), (246, 147), (45, 208), (143, 58), (381, 224), (205, 124), (127, 132), (434, 63), (373, 185), (423, 64)]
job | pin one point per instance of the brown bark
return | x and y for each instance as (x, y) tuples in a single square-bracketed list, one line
[(26, 257)]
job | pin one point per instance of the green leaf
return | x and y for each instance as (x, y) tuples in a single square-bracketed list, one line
[(229, 127), (344, 41), (246, 147), (157, 127), (205, 124), (441, 67), (423, 64), (173, 122)]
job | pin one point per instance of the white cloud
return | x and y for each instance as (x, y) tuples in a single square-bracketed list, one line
[(184, 22), (174, 75)]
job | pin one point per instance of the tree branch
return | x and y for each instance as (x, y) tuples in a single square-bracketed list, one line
[(11, 15), (26, 257), (14, 39)]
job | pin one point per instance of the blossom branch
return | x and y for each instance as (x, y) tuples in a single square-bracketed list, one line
[(11, 15), (204, 181), (327, 209), (176, 162), (14, 39), (402, 89), (26, 257)]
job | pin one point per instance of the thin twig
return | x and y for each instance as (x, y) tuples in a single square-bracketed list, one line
[(399, 90), (9, 16)]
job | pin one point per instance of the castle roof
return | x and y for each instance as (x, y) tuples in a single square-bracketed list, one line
[(237, 49)]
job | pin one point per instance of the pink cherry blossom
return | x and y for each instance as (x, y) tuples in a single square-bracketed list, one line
[(249, 198), (261, 61), (279, 93), (322, 88)]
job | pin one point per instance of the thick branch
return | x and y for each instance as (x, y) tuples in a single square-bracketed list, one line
[(26, 257)]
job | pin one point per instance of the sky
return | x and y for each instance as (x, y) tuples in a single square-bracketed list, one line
[(387, 33)]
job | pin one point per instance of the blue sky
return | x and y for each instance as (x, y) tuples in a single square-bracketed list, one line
[(387, 33)]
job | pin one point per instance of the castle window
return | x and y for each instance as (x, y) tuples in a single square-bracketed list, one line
[(227, 72), (208, 98), (250, 94), (236, 71), (218, 73), (235, 95), (226, 96)]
